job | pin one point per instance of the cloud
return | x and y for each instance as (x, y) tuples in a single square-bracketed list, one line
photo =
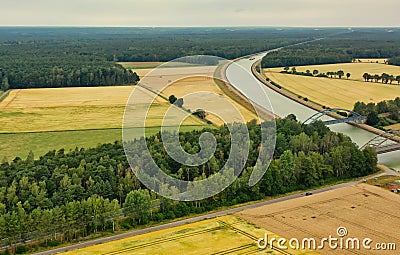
[(200, 13)]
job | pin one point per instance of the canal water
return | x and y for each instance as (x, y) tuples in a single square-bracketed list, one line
[(240, 76)]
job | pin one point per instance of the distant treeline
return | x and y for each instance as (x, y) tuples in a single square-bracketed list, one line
[(395, 61), (58, 57), (339, 49), (64, 196), (73, 75)]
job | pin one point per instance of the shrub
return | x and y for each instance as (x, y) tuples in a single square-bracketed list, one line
[(22, 249)]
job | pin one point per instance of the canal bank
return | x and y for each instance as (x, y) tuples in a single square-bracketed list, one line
[(299, 99), (241, 77)]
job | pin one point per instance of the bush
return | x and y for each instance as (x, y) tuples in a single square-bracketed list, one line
[(126, 224), (53, 243), (21, 249)]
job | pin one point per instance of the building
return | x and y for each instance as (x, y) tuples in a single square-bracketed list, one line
[(394, 187)]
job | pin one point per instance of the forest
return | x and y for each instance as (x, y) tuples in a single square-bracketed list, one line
[(62, 57), (340, 48), (382, 114), (63, 196)]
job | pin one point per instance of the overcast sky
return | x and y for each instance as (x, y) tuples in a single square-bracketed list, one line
[(312, 13)]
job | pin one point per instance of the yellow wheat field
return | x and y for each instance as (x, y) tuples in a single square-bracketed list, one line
[(37, 110), (366, 211), (339, 92), (223, 235)]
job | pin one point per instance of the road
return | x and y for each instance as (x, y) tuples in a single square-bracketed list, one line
[(387, 171)]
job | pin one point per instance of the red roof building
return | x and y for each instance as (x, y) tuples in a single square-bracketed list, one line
[(393, 187)]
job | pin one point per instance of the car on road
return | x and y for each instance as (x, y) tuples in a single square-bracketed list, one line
[(308, 194)]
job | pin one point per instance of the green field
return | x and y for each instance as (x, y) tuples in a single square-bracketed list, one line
[(341, 93), (50, 119), (19, 144)]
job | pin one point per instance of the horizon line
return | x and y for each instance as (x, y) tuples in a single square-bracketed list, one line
[(213, 26)]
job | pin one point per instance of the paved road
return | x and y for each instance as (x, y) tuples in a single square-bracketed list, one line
[(386, 171), (191, 220)]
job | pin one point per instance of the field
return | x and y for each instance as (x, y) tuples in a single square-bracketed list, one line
[(393, 127), (339, 92), (223, 235), (384, 181), (81, 117), (151, 65), (365, 210), (140, 65), (372, 60), (202, 93)]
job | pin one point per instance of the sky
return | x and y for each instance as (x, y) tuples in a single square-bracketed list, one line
[(183, 13)]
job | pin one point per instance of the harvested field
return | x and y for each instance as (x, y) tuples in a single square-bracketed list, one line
[(340, 93), (81, 117), (366, 211), (355, 69), (393, 127), (201, 92), (373, 60), (38, 110), (223, 235), (151, 65), (140, 65)]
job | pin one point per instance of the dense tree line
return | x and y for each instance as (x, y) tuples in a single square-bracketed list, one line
[(68, 75), (384, 78), (57, 57), (63, 196), (382, 114), (395, 61), (343, 48)]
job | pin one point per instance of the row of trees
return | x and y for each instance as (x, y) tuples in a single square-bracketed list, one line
[(62, 196), (385, 78), (316, 73)]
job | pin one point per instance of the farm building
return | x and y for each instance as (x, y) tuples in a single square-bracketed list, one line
[(394, 187)]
